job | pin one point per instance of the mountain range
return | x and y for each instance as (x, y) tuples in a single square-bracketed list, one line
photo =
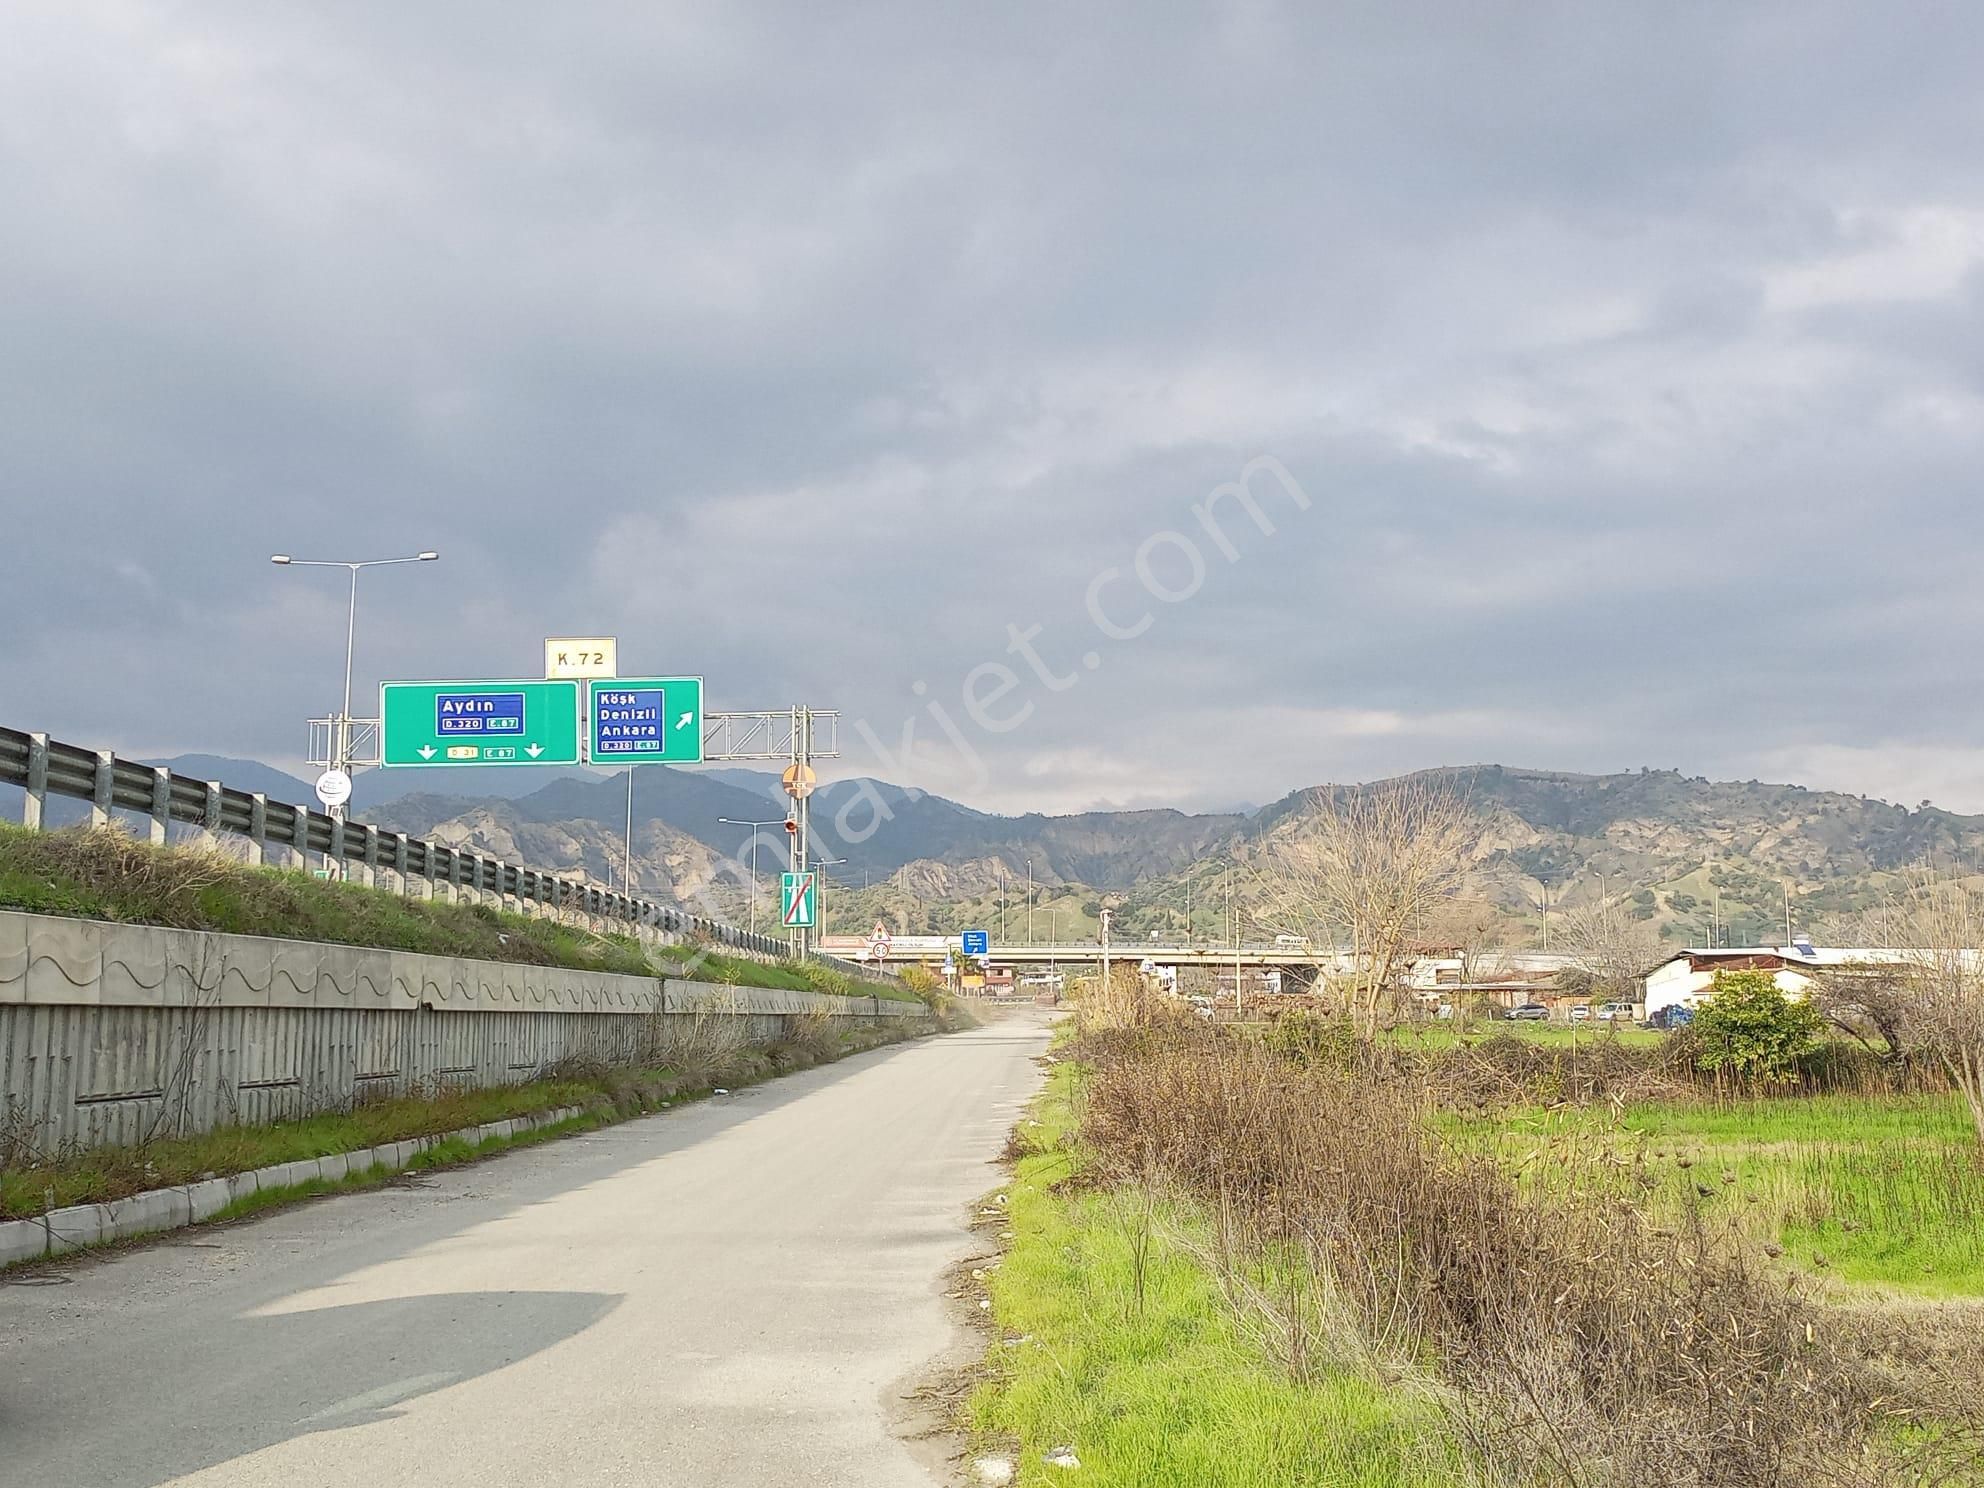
[(1692, 857)]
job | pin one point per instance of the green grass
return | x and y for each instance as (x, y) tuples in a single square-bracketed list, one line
[(1863, 1190), (1439, 1037), (105, 875), (1175, 1392), (98, 1174)]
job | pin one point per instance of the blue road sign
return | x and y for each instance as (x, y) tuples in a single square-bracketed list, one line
[(977, 943), (478, 713)]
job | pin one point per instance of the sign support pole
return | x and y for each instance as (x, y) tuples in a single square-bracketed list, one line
[(802, 749)]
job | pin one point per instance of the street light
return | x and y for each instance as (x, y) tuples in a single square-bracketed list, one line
[(731, 821), (341, 727), (824, 880)]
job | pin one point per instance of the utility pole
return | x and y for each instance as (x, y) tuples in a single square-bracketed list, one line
[(1105, 957), (1029, 902), (1787, 914), (1239, 996), (1002, 901)]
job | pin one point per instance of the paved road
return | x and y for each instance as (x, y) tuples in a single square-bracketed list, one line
[(728, 1294)]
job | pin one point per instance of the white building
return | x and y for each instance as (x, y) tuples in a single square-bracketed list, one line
[(1685, 978)]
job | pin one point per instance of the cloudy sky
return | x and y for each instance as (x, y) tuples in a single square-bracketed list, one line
[(1608, 380)]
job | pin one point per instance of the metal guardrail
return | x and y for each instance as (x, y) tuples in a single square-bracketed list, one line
[(43, 767)]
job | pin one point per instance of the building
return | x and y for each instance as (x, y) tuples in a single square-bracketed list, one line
[(1686, 977)]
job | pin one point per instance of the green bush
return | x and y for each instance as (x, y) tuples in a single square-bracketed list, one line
[(1751, 1028)]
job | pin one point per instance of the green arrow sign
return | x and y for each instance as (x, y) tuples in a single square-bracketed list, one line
[(644, 720), (479, 723), (798, 899)]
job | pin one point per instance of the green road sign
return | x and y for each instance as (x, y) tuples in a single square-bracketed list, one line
[(479, 723), (798, 899), (644, 720)]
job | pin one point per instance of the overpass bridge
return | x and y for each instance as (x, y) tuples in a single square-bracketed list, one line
[(1429, 969)]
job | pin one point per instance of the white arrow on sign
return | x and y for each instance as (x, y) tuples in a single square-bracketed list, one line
[(684, 720), (533, 750), (426, 751)]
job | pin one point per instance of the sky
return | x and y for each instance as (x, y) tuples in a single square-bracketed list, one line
[(1121, 405)]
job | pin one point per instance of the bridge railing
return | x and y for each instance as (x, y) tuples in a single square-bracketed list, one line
[(42, 767)]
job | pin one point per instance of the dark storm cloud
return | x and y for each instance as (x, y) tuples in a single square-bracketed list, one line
[(1626, 357)]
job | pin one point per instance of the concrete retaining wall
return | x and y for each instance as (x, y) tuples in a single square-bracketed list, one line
[(116, 1033)]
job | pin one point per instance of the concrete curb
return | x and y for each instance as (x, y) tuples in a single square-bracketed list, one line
[(81, 1225)]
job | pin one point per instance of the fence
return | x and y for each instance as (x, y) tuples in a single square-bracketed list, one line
[(43, 766)]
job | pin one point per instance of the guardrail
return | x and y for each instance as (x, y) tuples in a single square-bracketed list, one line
[(43, 767)]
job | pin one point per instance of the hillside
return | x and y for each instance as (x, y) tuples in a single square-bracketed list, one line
[(1674, 845)]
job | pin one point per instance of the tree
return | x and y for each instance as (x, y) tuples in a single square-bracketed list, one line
[(1612, 947), (1373, 865), (1748, 1025), (1929, 1001)]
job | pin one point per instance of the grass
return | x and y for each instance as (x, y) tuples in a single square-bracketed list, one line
[(1882, 1191), (1171, 1389), (103, 874), (31, 1185), (1439, 1037), (440, 1155)]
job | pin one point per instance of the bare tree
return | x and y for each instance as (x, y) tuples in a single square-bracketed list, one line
[(1945, 921), (1611, 947), (1926, 999), (1371, 866)]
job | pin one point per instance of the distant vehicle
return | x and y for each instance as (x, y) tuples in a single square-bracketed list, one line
[(1616, 1012), (1291, 940), (1671, 1018), (1041, 979), (1529, 1012), (1581, 1012)]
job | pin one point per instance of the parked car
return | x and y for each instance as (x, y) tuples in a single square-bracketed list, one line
[(1529, 1012), (1616, 1012), (1670, 1018), (1581, 1012)]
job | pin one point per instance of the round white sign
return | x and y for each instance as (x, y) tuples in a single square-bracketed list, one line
[(334, 787)]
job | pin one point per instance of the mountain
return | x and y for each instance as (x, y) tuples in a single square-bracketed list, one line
[(1689, 855)]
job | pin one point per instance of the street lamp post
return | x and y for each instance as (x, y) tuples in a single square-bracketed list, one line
[(825, 863), (341, 726), (731, 821), (1029, 902)]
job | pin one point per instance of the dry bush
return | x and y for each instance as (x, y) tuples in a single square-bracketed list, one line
[(1575, 1340), (702, 1047)]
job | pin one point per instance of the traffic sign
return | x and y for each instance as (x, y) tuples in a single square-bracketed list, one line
[(878, 942), (581, 656), (479, 723), (798, 899), (977, 943), (334, 788), (645, 721), (799, 780)]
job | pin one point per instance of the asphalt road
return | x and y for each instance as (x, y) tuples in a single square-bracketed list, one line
[(734, 1293)]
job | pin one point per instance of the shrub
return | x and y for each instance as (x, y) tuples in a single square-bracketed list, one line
[(1751, 1028)]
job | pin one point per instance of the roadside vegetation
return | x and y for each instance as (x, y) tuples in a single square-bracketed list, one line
[(104, 874), (1737, 1292), (687, 1057), (1746, 1254)]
